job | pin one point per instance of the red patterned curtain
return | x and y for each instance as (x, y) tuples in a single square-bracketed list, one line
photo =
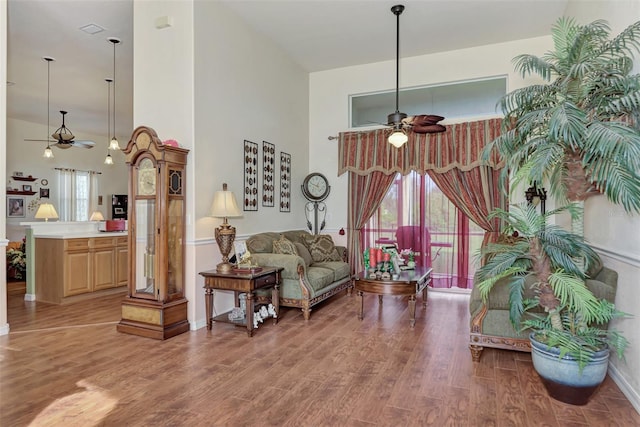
[(460, 147), (453, 159), (365, 195)]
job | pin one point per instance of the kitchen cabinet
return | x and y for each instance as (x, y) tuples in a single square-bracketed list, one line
[(69, 267)]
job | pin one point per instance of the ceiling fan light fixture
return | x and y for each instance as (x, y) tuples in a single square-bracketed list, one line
[(398, 138), (63, 134)]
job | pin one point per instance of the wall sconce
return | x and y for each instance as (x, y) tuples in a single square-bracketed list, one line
[(224, 206), (535, 195)]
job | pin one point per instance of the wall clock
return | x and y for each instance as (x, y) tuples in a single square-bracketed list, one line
[(315, 187)]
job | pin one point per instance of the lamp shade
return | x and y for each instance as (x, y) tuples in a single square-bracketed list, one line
[(46, 211), (224, 204), (96, 216)]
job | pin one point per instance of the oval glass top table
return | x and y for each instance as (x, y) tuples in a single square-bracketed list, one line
[(409, 283)]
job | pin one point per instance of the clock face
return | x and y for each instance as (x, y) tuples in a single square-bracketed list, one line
[(146, 178), (315, 187)]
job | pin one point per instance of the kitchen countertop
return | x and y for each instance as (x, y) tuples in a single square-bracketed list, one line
[(81, 235)]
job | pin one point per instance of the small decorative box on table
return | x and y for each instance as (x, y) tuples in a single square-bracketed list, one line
[(238, 281)]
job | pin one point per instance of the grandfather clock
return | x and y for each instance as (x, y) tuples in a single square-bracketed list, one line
[(155, 305)]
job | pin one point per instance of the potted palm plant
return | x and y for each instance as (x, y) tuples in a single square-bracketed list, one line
[(578, 131), (569, 339)]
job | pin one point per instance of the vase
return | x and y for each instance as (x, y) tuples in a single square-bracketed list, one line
[(561, 376), (411, 264)]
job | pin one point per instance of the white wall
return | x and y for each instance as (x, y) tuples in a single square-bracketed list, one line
[(4, 326), (615, 234), (210, 82), (26, 157)]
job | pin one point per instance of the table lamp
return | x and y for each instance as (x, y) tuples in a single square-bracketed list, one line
[(46, 211), (96, 216), (225, 206)]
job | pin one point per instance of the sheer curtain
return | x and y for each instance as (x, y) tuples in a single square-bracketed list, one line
[(78, 194), (416, 214)]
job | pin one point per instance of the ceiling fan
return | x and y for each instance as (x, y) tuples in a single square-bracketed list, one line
[(399, 122), (63, 137), (66, 139)]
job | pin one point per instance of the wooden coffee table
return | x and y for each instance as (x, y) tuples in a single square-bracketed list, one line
[(409, 282)]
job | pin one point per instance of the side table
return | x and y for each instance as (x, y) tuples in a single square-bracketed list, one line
[(247, 282)]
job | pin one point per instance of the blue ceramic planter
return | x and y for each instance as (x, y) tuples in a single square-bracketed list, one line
[(562, 377)]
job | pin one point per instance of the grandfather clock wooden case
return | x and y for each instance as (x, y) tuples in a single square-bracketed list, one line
[(155, 305)]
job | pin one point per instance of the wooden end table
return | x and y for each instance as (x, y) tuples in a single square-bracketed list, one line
[(247, 282), (409, 282)]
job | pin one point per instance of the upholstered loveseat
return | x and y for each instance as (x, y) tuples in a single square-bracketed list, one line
[(314, 268), (490, 324)]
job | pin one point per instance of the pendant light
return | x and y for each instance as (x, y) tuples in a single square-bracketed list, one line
[(48, 153), (398, 135), (114, 144), (108, 160)]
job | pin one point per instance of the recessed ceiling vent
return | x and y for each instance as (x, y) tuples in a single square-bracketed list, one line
[(92, 29)]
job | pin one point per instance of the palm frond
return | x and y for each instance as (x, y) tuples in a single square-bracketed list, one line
[(531, 64), (567, 125), (619, 184)]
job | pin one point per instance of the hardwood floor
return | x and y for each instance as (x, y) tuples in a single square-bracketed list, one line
[(68, 366)]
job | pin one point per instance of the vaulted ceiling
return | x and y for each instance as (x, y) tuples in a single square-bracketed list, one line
[(319, 35)]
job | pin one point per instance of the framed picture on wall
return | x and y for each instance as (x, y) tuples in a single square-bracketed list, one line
[(44, 193), (15, 207), (26, 188)]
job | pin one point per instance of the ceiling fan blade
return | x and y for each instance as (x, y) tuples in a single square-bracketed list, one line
[(432, 128), (377, 123), (40, 140), (83, 144), (426, 119)]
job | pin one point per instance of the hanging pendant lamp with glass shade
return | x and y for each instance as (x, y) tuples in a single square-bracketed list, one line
[(48, 152), (114, 144), (398, 135), (108, 160)]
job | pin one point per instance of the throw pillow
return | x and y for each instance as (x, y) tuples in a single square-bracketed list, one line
[(321, 248), (304, 253), (284, 246)]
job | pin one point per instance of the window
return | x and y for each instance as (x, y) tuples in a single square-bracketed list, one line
[(452, 100), (78, 194), (416, 215)]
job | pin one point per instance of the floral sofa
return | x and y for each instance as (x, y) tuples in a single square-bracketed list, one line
[(314, 268), (490, 324)]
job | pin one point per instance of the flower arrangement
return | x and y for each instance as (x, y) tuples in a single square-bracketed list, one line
[(17, 259), (409, 254)]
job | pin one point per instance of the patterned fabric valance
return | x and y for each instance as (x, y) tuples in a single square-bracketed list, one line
[(460, 146)]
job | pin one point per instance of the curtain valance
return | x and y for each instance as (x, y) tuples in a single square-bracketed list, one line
[(460, 146)]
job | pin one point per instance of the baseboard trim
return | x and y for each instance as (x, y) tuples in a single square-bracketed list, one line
[(4, 329), (632, 395), (29, 297), (194, 326)]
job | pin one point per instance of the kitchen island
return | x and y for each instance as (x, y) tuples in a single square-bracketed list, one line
[(73, 260)]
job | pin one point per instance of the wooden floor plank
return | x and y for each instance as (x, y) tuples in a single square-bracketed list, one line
[(67, 365)]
